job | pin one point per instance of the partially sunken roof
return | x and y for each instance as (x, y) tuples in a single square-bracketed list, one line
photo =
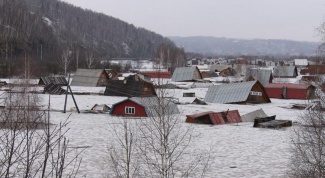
[(285, 71), (229, 93), (86, 77), (53, 80), (185, 74), (262, 75)]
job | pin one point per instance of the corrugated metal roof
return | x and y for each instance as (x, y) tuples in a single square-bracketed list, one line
[(184, 74), (262, 75), (285, 71), (86, 77), (229, 93)]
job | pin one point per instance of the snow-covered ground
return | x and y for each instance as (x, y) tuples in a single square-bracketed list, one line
[(237, 150)]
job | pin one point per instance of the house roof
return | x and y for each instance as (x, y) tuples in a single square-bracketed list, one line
[(219, 117), (285, 71), (288, 85), (184, 73), (219, 67), (87, 77), (249, 117), (229, 93), (53, 80), (262, 75), (152, 106), (129, 88)]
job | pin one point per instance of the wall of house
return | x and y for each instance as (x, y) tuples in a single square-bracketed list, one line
[(264, 98), (292, 93), (119, 109)]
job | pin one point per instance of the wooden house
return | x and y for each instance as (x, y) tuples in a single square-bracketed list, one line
[(90, 78), (132, 86), (240, 93), (144, 107)]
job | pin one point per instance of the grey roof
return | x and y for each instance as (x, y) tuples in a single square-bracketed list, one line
[(184, 74), (285, 71), (262, 75), (86, 77), (249, 117), (151, 105), (229, 93)]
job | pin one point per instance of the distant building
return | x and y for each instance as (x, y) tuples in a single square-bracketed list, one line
[(285, 72), (185, 74), (290, 91), (90, 78)]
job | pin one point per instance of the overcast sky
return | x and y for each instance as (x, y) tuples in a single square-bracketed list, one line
[(248, 19)]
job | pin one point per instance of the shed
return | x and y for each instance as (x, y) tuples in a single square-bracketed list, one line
[(214, 118), (285, 72), (144, 107), (130, 87), (262, 75), (290, 91), (185, 74), (240, 93), (90, 78)]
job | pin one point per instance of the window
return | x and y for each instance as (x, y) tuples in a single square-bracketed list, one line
[(256, 93), (129, 110)]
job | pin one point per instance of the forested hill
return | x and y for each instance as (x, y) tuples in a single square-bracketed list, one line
[(47, 28), (229, 46)]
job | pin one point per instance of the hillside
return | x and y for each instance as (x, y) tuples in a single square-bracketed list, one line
[(47, 29), (228, 46)]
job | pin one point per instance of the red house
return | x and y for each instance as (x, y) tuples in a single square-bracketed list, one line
[(144, 107), (290, 91)]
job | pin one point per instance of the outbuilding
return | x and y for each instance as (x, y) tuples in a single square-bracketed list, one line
[(91, 77), (186, 74), (290, 91), (144, 107)]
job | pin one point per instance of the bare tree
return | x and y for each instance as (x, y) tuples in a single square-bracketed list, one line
[(90, 60), (308, 146), (65, 60), (123, 155)]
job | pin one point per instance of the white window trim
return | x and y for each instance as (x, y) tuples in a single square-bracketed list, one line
[(127, 109)]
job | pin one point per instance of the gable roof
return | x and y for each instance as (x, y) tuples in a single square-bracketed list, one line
[(185, 74), (215, 118), (262, 75), (87, 77), (152, 106), (229, 93), (288, 85), (285, 71)]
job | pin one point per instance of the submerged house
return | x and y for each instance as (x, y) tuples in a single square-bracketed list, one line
[(186, 74), (214, 118), (262, 75), (53, 85), (290, 91), (91, 77), (144, 107), (239, 93), (131, 86)]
